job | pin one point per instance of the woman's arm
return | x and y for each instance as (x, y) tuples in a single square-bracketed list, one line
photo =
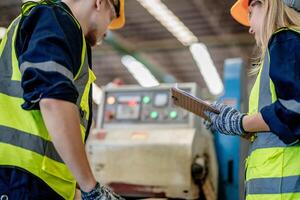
[(283, 115), (255, 123)]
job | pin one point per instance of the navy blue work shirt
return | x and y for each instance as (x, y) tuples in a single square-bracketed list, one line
[(49, 34), (283, 116)]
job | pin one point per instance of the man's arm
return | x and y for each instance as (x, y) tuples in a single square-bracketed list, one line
[(62, 121)]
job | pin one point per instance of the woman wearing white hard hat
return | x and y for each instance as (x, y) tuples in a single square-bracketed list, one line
[(273, 120)]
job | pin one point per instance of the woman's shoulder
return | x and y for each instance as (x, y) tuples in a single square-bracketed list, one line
[(285, 35)]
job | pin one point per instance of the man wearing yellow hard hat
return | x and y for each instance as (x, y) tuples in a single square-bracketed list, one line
[(272, 122), (45, 98)]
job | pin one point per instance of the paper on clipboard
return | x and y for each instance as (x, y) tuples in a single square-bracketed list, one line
[(191, 103)]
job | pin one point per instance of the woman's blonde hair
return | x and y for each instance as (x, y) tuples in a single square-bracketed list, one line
[(277, 15)]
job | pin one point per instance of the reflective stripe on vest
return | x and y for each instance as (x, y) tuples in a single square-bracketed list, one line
[(28, 141), (274, 185), (272, 167), (24, 139), (266, 139), (6, 69)]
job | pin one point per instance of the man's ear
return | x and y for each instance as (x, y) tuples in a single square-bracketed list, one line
[(98, 4)]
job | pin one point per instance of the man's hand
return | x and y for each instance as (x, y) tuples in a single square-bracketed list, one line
[(100, 192), (228, 122)]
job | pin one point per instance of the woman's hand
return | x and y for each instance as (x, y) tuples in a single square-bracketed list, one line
[(228, 122)]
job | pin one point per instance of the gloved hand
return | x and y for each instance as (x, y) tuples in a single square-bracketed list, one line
[(100, 192), (228, 122)]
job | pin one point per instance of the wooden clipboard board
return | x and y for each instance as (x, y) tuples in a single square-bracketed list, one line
[(191, 103)]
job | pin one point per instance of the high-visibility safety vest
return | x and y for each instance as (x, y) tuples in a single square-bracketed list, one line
[(272, 167), (24, 140)]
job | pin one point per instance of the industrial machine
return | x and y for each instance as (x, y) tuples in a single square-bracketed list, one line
[(151, 148)]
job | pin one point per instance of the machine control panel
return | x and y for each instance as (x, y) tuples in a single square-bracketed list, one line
[(144, 123), (142, 107)]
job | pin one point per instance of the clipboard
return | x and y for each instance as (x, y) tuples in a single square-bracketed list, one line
[(191, 103)]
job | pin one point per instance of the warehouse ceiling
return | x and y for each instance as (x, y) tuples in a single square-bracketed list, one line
[(209, 20)]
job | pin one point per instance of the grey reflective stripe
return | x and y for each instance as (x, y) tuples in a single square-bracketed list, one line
[(83, 120), (30, 142), (5, 59), (265, 96), (291, 105), (48, 66), (80, 84), (266, 139), (290, 184), (7, 86), (12, 88), (82, 80), (269, 140)]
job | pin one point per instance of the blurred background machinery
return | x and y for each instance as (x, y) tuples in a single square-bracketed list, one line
[(151, 148)]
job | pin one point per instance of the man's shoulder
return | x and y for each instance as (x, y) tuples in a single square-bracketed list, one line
[(54, 20)]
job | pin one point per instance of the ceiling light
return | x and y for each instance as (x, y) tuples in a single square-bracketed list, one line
[(139, 72), (207, 68), (199, 51), (167, 18)]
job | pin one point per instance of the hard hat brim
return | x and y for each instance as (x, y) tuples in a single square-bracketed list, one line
[(120, 21), (239, 11)]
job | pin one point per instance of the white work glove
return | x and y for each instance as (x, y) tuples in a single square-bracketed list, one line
[(100, 192)]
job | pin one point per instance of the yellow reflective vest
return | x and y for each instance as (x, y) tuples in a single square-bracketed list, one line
[(24, 139), (272, 167)]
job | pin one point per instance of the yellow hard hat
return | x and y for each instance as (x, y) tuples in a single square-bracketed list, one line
[(240, 12), (120, 20)]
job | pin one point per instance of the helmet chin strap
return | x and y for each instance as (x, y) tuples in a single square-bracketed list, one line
[(293, 4)]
